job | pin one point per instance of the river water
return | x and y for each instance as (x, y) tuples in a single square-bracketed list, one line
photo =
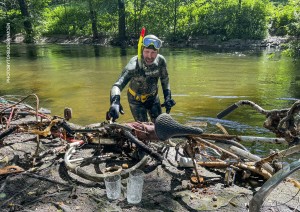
[(203, 82)]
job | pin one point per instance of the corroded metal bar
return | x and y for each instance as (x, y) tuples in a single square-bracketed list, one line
[(215, 147), (241, 103), (281, 154), (243, 138)]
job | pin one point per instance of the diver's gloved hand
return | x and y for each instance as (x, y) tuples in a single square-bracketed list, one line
[(115, 108), (169, 102)]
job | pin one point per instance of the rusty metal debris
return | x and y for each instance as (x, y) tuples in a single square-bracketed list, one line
[(139, 142), (11, 170), (285, 123)]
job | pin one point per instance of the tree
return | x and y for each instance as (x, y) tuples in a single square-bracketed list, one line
[(122, 23), (93, 17), (27, 22)]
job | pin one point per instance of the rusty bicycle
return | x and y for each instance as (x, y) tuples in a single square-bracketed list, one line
[(284, 184)]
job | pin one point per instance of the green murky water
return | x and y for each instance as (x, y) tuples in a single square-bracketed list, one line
[(203, 82)]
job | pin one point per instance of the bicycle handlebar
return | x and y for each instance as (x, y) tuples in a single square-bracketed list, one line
[(241, 103)]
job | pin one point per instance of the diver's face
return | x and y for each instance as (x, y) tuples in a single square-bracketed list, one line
[(149, 55)]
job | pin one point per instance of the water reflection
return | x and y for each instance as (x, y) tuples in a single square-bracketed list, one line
[(123, 51), (31, 52), (96, 50)]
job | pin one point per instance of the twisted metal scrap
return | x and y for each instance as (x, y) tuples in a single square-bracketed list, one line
[(166, 127), (76, 169), (24, 105), (285, 123)]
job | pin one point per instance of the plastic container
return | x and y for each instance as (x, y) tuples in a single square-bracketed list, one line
[(113, 187), (135, 186)]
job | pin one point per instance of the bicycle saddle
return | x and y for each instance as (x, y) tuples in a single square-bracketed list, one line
[(166, 127)]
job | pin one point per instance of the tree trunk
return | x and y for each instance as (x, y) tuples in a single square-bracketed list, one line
[(135, 18), (27, 23), (122, 30), (93, 17), (175, 17)]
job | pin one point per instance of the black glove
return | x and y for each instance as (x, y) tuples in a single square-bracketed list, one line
[(115, 108), (169, 102)]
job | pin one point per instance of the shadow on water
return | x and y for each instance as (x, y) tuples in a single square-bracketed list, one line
[(123, 52), (96, 50), (32, 52)]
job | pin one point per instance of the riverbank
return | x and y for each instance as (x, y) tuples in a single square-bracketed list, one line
[(199, 42)]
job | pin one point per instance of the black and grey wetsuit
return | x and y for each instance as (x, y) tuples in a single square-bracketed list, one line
[(143, 88)]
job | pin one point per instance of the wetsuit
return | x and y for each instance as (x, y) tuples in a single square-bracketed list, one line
[(143, 88)]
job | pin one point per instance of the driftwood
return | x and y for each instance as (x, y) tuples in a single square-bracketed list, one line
[(222, 128), (11, 170), (46, 131)]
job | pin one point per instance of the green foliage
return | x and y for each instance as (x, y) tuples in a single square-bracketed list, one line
[(14, 18), (64, 20), (169, 19), (156, 16), (292, 49), (225, 18), (286, 20)]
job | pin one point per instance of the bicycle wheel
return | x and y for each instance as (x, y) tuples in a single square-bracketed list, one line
[(280, 193), (82, 166)]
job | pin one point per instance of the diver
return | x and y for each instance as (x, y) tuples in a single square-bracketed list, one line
[(143, 73)]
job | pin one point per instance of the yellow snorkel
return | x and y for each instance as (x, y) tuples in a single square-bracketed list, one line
[(140, 43)]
